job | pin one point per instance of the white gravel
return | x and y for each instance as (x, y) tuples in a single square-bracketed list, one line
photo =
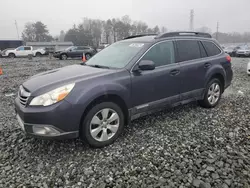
[(187, 146)]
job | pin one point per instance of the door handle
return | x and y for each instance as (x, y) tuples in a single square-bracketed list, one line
[(174, 72), (207, 65)]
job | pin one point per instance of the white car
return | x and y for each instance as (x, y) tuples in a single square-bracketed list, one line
[(248, 69), (22, 51), (243, 52)]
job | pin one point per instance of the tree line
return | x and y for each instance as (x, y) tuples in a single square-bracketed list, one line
[(95, 31)]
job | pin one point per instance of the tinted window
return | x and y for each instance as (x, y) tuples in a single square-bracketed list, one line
[(27, 48), (161, 54), (211, 48), (188, 50), (202, 50)]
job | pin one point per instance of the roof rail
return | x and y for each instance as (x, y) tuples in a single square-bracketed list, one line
[(142, 35), (184, 33)]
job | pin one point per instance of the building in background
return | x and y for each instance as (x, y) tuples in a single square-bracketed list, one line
[(54, 44), (4, 44)]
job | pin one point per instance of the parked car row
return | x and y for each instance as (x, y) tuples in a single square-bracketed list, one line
[(238, 51), (70, 52)]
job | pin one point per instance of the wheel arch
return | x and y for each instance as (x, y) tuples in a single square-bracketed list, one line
[(219, 73), (107, 98)]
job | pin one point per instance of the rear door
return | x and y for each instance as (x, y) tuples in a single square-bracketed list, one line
[(158, 87), (80, 51), (191, 56), (27, 50)]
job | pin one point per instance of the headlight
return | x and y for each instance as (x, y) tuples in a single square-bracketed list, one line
[(53, 96)]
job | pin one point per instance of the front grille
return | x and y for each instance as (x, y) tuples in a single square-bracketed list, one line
[(23, 95)]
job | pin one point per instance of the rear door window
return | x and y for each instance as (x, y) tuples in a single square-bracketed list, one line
[(188, 50), (211, 48), (27, 48)]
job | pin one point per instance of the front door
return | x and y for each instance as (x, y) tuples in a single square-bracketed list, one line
[(20, 51), (158, 87)]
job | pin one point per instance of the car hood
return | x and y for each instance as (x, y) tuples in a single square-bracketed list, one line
[(53, 79)]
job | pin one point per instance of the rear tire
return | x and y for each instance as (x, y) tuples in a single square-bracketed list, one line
[(38, 54), (212, 94), (87, 56), (102, 124)]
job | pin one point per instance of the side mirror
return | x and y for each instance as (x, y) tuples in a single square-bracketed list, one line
[(146, 65)]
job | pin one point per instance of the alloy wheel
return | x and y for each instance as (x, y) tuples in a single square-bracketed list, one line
[(104, 124), (214, 93)]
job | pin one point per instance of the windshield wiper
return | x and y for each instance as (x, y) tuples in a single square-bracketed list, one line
[(98, 66)]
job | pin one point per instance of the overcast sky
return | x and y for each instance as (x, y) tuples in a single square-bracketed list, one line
[(173, 14)]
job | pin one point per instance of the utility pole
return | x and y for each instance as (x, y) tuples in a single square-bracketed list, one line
[(17, 30), (191, 21), (217, 30)]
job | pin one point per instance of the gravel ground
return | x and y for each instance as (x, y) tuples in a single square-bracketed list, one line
[(186, 146)]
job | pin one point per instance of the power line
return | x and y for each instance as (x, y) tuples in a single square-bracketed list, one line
[(17, 30), (191, 21)]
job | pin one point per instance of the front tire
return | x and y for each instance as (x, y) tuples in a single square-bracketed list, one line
[(11, 55), (102, 124), (212, 94), (63, 57)]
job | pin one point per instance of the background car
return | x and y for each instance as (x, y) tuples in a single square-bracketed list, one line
[(49, 50), (75, 52), (102, 46), (243, 51), (229, 50)]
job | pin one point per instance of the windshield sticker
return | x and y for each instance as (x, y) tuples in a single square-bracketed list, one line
[(136, 45)]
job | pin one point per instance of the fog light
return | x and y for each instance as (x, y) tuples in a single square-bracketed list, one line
[(40, 130)]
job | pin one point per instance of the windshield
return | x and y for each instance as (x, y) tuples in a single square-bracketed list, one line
[(117, 55), (67, 49)]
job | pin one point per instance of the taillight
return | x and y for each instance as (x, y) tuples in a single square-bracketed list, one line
[(229, 59)]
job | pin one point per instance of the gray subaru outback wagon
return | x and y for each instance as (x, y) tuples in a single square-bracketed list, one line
[(128, 79)]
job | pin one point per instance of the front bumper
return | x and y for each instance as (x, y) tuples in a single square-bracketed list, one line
[(58, 117)]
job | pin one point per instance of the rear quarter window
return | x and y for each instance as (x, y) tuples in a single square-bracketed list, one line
[(211, 48)]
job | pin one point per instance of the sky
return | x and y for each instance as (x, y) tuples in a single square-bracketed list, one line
[(173, 14)]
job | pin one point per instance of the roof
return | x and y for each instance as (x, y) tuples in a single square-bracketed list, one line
[(174, 35)]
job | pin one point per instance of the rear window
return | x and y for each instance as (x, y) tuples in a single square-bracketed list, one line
[(188, 50), (211, 48)]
